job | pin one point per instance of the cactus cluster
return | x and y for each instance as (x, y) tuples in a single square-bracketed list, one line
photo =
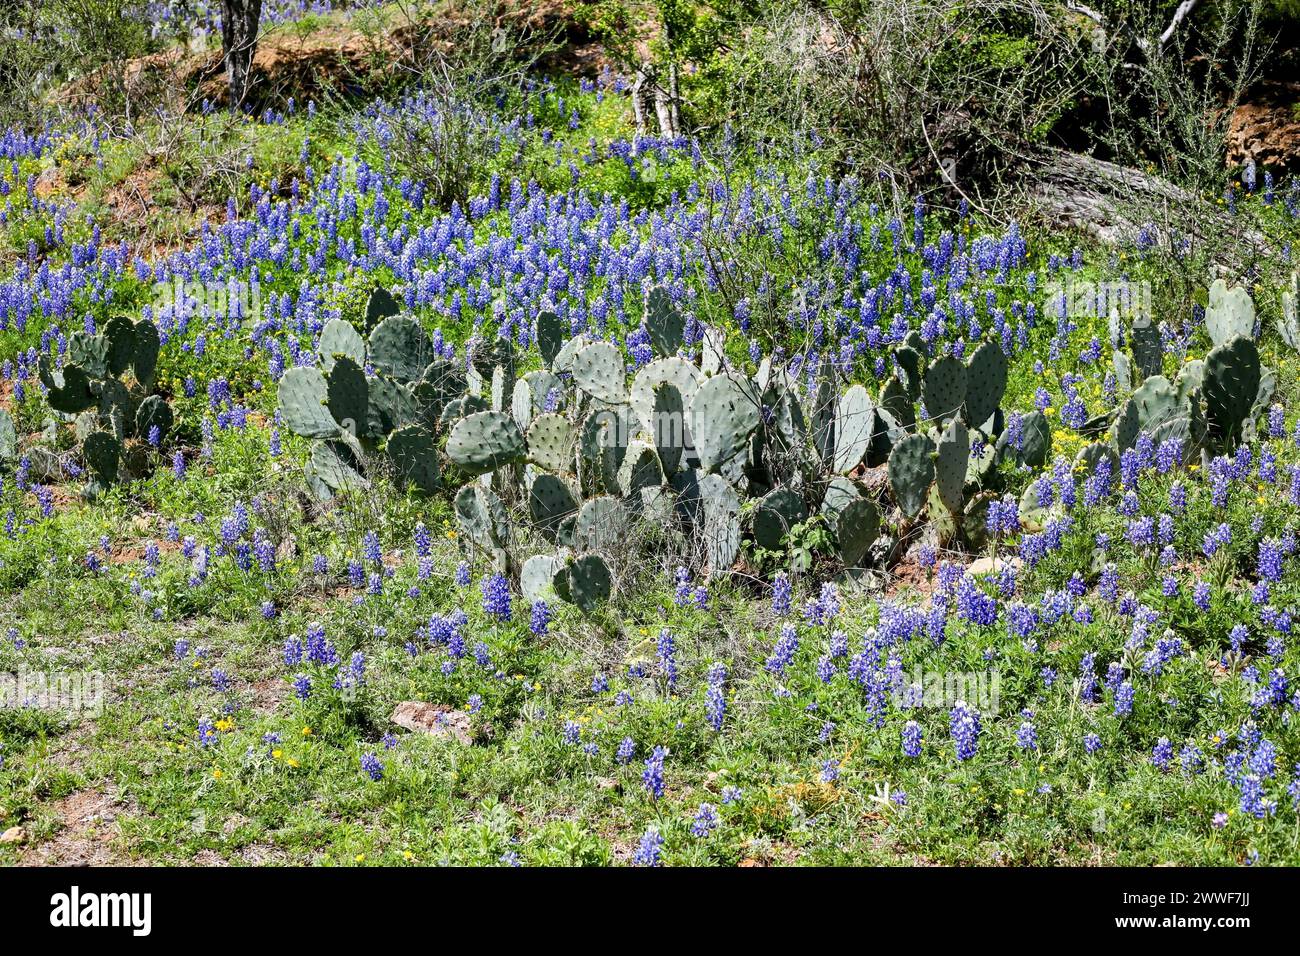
[(595, 452), (106, 385), (1212, 403), (389, 388), (928, 451)]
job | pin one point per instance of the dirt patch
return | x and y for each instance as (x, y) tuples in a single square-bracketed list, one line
[(260, 854), (267, 695), (87, 831), (908, 577)]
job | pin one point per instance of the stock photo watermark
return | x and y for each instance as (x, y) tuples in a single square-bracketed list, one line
[(943, 690), (70, 692), (1078, 299), (194, 298)]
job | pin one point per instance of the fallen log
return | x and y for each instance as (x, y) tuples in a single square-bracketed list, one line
[(1115, 204)]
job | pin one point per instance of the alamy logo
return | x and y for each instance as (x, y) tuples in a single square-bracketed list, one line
[(73, 909), (219, 299), (1078, 299)]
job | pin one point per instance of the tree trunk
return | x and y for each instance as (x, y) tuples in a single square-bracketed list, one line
[(673, 96), (664, 112), (239, 19), (639, 98)]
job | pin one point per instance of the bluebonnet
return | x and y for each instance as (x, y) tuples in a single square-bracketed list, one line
[(682, 595), (705, 821), (912, 739), (1162, 753), (653, 774), (1124, 695), (372, 766), (783, 653), (648, 850), (1027, 733), (496, 597), (715, 704), (666, 651), (539, 620), (964, 726)]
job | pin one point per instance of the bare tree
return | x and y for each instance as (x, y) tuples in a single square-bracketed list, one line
[(239, 19)]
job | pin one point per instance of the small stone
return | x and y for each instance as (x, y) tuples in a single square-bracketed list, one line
[(434, 719), (14, 835), (987, 565)]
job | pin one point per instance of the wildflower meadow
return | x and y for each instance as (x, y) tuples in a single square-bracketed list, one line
[(551, 457)]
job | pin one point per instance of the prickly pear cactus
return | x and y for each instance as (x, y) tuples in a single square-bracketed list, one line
[(856, 530), (537, 577), (486, 441), (380, 306), (110, 410), (911, 471), (1036, 440), (598, 371), (672, 375), (8, 437), (986, 383), (911, 370), (339, 338), (951, 458), (400, 348), (303, 399), (1127, 426), (944, 388), (821, 417), (550, 502), (1230, 313), (102, 453), (1232, 377), (551, 440), (1148, 347), (551, 335), (898, 404), (601, 526), (777, 513), (590, 582), (334, 468), (390, 406), (347, 396), (719, 524), (1288, 325), (855, 417), (482, 518), (663, 322), (724, 414), (414, 456), (641, 468)]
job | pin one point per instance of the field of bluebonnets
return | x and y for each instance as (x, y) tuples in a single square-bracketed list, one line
[(659, 500)]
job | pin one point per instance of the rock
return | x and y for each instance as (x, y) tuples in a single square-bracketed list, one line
[(438, 720), (1267, 129), (987, 565), (14, 835)]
